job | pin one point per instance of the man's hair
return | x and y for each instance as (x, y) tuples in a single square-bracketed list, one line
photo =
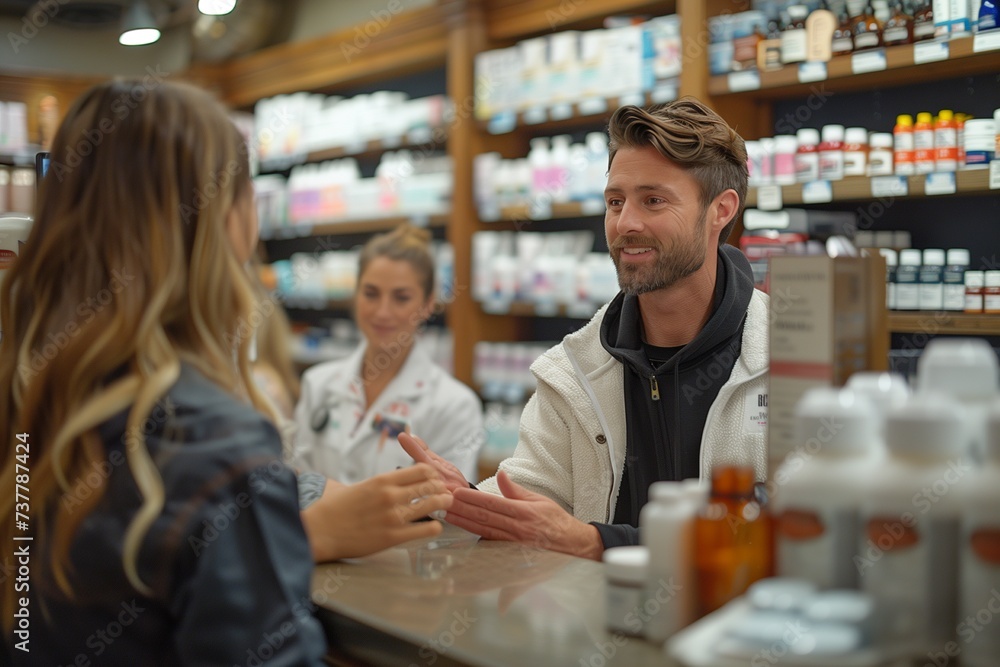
[(692, 136)]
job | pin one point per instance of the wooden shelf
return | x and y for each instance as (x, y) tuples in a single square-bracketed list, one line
[(303, 303), (565, 211), (368, 149), (900, 61), (945, 322), (369, 226), (859, 188), (516, 19), (528, 309), (562, 117)]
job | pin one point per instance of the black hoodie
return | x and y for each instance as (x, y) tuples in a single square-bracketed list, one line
[(668, 391)]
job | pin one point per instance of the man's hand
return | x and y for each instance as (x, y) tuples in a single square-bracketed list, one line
[(359, 519), (421, 453), (525, 517)]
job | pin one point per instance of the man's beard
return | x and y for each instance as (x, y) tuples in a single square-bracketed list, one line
[(672, 264)]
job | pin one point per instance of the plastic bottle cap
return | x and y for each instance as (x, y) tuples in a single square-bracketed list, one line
[(929, 424), (786, 143), (946, 114), (885, 390), (974, 279), (958, 257), (881, 140), (838, 419), (856, 135), (807, 136), (904, 119), (961, 367), (780, 593), (891, 258), (924, 117), (910, 257), (665, 491), (626, 564), (980, 126), (933, 257), (833, 133), (842, 606), (992, 278)]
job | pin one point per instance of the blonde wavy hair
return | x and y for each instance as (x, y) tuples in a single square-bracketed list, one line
[(128, 271)]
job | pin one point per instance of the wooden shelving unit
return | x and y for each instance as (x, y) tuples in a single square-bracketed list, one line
[(964, 56), (367, 226), (944, 322), (860, 188), (363, 150)]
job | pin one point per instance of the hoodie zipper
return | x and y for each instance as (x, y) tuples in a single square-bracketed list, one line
[(654, 388)]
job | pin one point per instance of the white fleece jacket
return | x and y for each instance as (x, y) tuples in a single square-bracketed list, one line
[(571, 445)]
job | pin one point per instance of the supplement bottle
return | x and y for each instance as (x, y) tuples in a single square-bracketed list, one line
[(991, 293), (899, 28), (880, 161), (855, 151), (974, 282), (831, 153), (807, 156), (794, 42), (867, 29), (946, 142), (956, 264), (924, 160), (907, 280), (903, 142), (931, 291), (785, 148)]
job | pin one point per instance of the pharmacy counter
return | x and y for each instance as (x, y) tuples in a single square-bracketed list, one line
[(456, 600)]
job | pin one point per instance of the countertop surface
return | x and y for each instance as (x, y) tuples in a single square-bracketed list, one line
[(456, 599)]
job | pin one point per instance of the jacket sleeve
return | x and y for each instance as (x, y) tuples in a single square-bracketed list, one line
[(542, 461), (245, 576)]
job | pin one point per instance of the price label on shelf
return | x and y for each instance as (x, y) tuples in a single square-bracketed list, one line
[(890, 186), (502, 123), (540, 209), (634, 99), (561, 111), (741, 81), (986, 41), (810, 72), (355, 147), (769, 198), (592, 207), (535, 115), (817, 192), (420, 135), (940, 183), (995, 175), (868, 61), (664, 93), (928, 52), (593, 106)]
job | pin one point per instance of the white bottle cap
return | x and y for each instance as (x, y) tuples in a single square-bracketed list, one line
[(885, 390), (626, 564), (808, 136), (910, 257), (929, 424), (974, 279), (780, 594), (786, 143), (891, 258), (933, 257), (665, 491), (958, 257), (881, 140), (856, 135), (839, 419), (992, 278), (962, 367), (833, 133)]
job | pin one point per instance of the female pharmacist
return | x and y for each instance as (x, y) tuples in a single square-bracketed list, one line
[(161, 525), (351, 410)]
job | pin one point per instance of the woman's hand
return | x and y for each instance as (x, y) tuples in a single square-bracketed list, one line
[(421, 453), (359, 519)]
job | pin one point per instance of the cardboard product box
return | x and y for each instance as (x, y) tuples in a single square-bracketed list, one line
[(827, 322)]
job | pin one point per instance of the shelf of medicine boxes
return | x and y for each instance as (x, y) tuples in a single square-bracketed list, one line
[(415, 139), (923, 61), (859, 188), (512, 215), (348, 226), (944, 322), (528, 309)]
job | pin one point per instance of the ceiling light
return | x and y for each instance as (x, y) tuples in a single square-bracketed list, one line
[(216, 7), (138, 26)]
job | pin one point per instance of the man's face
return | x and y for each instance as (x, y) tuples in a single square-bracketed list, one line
[(655, 226)]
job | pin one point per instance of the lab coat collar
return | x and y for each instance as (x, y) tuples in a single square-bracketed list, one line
[(412, 380)]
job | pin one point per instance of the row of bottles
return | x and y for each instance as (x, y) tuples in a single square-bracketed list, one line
[(896, 495)]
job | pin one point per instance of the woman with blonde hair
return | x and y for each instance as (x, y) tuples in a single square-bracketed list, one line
[(151, 499), (352, 410)]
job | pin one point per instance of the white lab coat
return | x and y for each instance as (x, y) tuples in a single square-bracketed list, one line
[(348, 448)]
